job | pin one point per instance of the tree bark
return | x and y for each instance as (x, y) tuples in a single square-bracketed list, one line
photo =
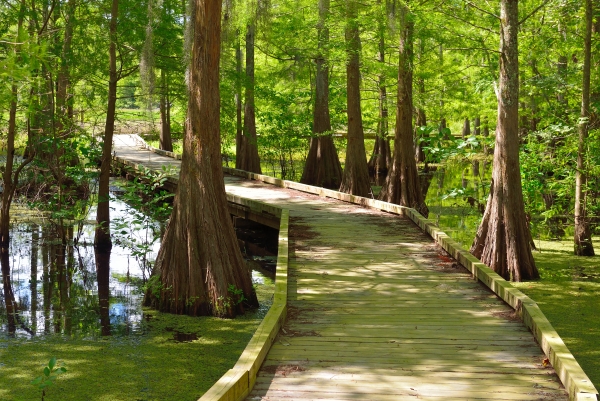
[(503, 239), (355, 179), (381, 158), (322, 167), (583, 233), (166, 143), (250, 160), (9, 181), (102, 236), (239, 136), (199, 269), (421, 116), (466, 130), (402, 185)]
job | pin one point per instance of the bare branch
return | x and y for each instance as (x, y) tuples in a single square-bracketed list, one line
[(466, 22), (538, 8), (482, 10)]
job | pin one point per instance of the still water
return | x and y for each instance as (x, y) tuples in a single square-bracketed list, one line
[(72, 290)]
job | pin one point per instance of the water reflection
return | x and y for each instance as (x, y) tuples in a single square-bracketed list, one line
[(9, 296), (55, 283)]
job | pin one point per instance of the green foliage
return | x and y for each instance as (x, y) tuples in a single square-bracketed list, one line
[(151, 205), (50, 373)]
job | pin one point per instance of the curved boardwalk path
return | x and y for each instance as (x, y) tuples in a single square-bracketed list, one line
[(377, 311)]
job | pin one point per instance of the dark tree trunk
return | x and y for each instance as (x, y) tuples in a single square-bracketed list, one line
[(476, 132), (102, 236), (239, 136), (595, 90), (381, 158), (199, 269), (166, 143), (249, 160), (355, 179), (103, 277), (63, 120), (466, 130), (583, 233), (503, 239), (10, 180), (421, 116), (402, 185), (322, 166), (9, 295), (421, 122)]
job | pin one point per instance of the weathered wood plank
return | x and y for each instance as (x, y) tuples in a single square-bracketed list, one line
[(372, 297)]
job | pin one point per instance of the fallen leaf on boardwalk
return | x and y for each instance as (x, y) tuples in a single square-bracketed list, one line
[(546, 362)]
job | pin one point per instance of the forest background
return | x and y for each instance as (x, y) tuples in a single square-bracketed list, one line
[(56, 84)]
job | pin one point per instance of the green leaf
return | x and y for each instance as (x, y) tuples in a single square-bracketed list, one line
[(37, 380), (52, 363), (46, 371)]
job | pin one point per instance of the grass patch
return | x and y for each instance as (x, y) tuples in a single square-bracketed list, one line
[(153, 366), (569, 294)]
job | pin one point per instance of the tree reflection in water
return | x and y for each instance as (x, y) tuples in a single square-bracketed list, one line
[(53, 287), (9, 296)]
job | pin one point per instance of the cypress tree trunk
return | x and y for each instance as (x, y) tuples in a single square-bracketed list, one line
[(355, 179), (102, 235), (249, 156), (583, 233), (239, 137), (10, 180), (466, 130), (381, 157), (322, 167), (402, 184), (199, 269), (421, 116), (166, 142), (503, 239)]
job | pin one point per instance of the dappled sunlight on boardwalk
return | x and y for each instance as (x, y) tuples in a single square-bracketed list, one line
[(377, 311)]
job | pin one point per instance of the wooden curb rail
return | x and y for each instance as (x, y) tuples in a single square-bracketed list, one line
[(576, 382), (238, 382)]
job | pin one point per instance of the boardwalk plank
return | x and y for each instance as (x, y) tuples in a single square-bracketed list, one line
[(378, 312)]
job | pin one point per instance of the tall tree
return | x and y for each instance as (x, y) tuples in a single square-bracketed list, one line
[(381, 157), (10, 177), (503, 239), (102, 235), (583, 233), (322, 167), (249, 159), (402, 184), (199, 269), (355, 179)]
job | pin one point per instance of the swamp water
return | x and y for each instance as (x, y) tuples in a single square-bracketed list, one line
[(85, 309)]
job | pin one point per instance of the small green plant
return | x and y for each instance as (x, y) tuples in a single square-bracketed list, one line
[(51, 372), (237, 294)]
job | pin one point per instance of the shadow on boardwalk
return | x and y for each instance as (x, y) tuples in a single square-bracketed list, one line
[(377, 311)]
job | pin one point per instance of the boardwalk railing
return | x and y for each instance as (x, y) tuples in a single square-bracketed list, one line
[(237, 383)]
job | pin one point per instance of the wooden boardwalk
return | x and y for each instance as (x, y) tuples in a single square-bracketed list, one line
[(377, 311)]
